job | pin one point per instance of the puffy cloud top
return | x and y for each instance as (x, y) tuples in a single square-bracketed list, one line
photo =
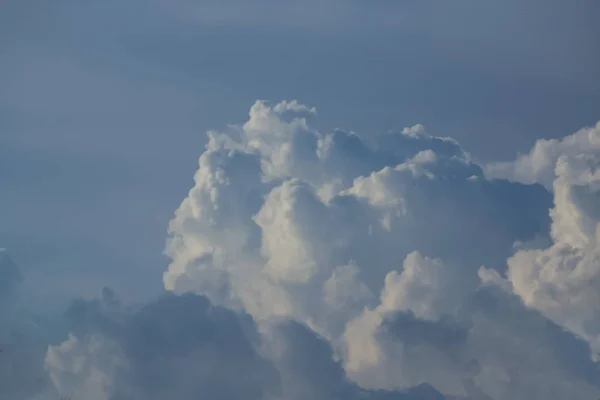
[(389, 251), (317, 265), (540, 164)]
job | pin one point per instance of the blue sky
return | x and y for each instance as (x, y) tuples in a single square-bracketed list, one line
[(104, 109)]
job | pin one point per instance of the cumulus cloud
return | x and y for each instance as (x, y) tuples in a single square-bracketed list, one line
[(539, 165), (420, 295), (383, 250), (183, 347), (175, 347), (489, 347), (561, 280), (265, 231), (315, 265)]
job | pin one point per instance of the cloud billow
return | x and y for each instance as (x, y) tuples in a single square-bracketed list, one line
[(181, 346), (285, 222), (317, 265)]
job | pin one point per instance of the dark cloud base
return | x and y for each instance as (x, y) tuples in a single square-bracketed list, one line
[(181, 346)]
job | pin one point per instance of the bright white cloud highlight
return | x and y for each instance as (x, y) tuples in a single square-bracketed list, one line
[(313, 265), (539, 165), (387, 251)]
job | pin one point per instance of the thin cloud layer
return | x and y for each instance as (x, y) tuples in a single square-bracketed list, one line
[(561, 281)]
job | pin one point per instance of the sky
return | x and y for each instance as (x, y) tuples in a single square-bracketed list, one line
[(280, 200)]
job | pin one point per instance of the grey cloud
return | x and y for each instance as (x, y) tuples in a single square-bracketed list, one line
[(10, 276), (492, 338), (446, 334), (176, 347), (308, 369), (184, 347), (23, 338)]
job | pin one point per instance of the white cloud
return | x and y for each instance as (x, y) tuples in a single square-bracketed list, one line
[(425, 289), (336, 269), (287, 222), (562, 281), (86, 368), (539, 165), (343, 290)]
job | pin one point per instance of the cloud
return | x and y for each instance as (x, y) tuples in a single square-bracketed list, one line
[(22, 338), (280, 201), (416, 299), (183, 347), (317, 265), (175, 347), (383, 250), (307, 369), (540, 164), (489, 348), (561, 280)]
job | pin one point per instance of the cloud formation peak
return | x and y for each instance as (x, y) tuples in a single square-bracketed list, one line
[(319, 265), (351, 239)]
